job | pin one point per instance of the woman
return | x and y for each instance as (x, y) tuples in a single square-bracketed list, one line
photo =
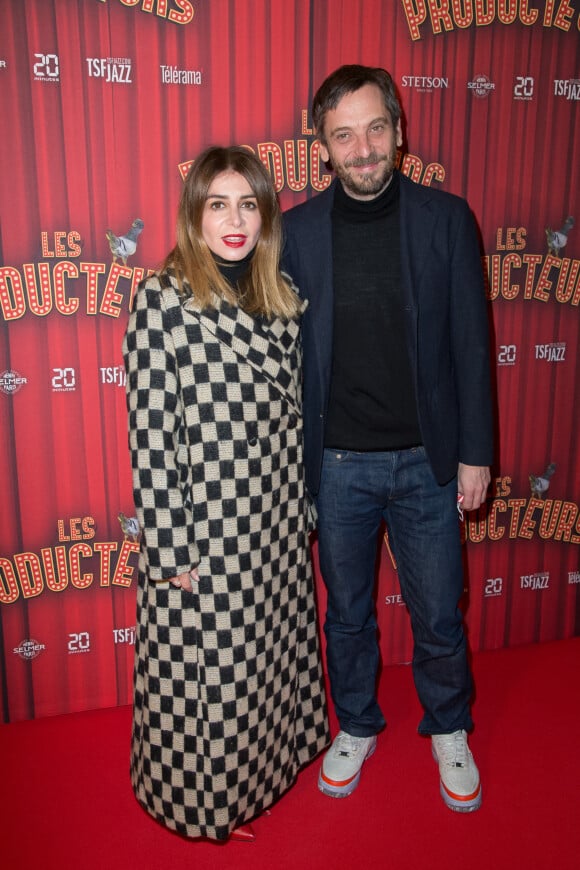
[(228, 698)]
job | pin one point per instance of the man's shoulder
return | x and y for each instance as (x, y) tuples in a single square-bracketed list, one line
[(311, 209), (414, 192)]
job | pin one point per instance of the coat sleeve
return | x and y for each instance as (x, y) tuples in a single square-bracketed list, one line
[(156, 439), (470, 343)]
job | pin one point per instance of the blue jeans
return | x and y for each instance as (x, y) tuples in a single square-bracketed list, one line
[(357, 492)]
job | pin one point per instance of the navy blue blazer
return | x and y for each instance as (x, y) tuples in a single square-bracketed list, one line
[(447, 323)]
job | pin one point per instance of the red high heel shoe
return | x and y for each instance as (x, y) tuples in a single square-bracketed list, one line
[(243, 834)]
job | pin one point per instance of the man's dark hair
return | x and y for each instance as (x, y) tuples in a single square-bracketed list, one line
[(347, 79)]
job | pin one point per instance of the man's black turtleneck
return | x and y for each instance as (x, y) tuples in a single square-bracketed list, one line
[(372, 401)]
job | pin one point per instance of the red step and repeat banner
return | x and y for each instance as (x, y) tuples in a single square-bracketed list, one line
[(104, 103)]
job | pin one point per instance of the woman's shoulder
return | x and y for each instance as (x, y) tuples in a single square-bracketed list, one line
[(288, 279), (303, 303), (159, 282), (160, 289)]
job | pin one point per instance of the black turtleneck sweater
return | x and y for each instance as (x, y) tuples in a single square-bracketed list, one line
[(372, 399), (234, 270)]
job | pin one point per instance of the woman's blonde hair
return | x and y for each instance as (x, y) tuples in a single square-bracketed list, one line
[(263, 289)]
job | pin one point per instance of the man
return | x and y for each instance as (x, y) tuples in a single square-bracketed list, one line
[(398, 423)]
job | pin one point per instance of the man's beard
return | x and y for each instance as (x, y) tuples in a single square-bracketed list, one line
[(370, 185)]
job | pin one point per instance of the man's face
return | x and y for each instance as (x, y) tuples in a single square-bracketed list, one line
[(361, 142)]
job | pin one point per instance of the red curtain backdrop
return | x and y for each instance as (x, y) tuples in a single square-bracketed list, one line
[(104, 104)]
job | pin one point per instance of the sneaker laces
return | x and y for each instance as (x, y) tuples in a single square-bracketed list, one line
[(346, 745), (452, 749)]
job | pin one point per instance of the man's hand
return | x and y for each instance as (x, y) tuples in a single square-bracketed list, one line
[(472, 484), (184, 581)]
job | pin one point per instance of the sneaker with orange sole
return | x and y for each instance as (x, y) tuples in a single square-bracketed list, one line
[(340, 771), (459, 777)]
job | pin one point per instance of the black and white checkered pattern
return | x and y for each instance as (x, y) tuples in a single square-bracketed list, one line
[(229, 699)]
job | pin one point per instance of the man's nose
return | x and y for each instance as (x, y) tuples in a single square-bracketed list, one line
[(363, 145)]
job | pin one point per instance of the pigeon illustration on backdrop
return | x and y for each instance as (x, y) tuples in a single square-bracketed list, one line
[(557, 239), (539, 485), (125, 246), (129, 525)]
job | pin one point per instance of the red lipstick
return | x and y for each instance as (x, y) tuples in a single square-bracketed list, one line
[(234, 241)]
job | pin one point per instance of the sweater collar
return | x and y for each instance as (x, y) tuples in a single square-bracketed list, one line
[(362, 210), (234, 270)]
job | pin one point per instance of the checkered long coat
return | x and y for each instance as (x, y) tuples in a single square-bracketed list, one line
[(228, 696)]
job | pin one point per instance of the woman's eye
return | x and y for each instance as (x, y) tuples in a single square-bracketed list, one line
[(250, 204), (216, 204)]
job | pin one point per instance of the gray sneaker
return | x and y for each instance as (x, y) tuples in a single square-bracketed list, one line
[(340, 771), (459, 785)]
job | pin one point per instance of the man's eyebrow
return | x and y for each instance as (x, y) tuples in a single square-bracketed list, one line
[(382, 118)]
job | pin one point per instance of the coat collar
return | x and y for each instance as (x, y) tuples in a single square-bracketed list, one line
[(267, 346), (418, 219)]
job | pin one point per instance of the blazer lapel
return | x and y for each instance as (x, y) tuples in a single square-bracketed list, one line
[(417, 224), (417, 228)]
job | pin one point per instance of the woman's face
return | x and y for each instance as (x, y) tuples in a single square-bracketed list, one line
[(231, 220)]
